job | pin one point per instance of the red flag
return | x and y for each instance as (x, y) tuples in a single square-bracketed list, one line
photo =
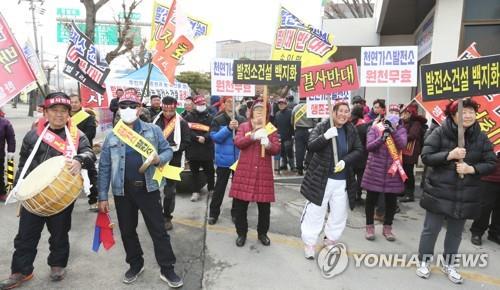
[(167, 57), (15, 73)]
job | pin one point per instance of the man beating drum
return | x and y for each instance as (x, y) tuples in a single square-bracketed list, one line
[(52, 138), (135, 187)]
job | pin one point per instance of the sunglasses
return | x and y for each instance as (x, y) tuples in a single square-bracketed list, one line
[(131, 106)]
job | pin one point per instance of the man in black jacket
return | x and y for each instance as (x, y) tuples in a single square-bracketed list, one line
[(57, 108), (87, 124), (113, 105), (178, 135), (155, 107), (201, 151), (283, 121)]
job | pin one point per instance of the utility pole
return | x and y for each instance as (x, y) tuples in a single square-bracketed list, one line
[(34, 94)]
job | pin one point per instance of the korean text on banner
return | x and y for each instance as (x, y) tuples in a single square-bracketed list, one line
[(295, 40), (160, 12), (34, 63), (462, 78), (266, 72), (317, 106), (84, 62), (15, 74), (222, 80), (488, 115), (329, 78), (92, 99), (389, 66), (179, 91)]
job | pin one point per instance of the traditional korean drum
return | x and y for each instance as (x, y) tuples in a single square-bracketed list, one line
[(49, 188)]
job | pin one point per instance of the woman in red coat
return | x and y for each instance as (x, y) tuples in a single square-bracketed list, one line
[(253, 179)]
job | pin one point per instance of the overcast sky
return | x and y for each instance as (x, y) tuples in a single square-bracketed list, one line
[(230, 19)]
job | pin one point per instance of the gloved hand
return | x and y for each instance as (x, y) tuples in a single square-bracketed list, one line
[(340, 166), (387, 133), (264, 141), (330, 133), (259, 134), (388, 126), (10, 155)]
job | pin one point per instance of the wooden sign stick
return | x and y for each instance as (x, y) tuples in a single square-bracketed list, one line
[(332, 124), (265, 97), (461, 137)]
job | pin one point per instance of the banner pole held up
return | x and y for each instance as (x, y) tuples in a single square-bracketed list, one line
[(146, 83), (461, 138), (334, 139), (264, 97)]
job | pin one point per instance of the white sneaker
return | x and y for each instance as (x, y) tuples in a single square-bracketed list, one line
[(424, 270), (327, 242), (309, 252), (195, 196), (452, 274)]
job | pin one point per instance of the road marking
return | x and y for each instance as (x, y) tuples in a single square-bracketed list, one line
[(296, 243)]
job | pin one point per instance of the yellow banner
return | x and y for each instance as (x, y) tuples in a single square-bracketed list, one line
[(159, 15), (299, 114), (79, 117), (295, 40), (269, 129), (233, 167), (168, 171), (133, 139)]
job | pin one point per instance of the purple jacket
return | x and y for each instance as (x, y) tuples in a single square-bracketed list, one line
[(6, 134), (376, 176)]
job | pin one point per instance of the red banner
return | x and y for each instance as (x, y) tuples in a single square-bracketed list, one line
[(488, 115), (92, 99), (167, 57), (329, 78), (15, 73)]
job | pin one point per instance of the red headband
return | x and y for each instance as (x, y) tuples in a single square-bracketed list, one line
[(56, 101)]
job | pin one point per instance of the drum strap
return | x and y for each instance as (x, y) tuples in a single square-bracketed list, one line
[(12, 195)]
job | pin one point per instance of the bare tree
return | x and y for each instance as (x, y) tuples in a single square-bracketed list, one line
[(91, 9), (139, 56), (349, 9), (125, 33)]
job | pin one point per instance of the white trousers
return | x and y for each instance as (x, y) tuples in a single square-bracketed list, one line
[(313, 216)]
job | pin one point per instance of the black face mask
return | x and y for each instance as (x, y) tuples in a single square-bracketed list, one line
[(249, 104)]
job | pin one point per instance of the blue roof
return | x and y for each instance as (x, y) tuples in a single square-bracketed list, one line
[(142, 73)]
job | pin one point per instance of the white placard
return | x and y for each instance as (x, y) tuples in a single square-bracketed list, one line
[(317, 106), (222, 80), (389, 66)]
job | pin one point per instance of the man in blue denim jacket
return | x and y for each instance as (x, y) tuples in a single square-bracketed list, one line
[(132, 190)]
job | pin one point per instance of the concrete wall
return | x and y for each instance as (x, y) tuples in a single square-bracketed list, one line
[(446, 33), (353, 31)]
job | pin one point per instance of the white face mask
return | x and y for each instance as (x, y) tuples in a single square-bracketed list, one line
[(201, 108), (128, 115), (38, 115)]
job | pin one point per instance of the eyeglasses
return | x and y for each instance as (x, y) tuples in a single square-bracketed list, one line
[(131, 106)]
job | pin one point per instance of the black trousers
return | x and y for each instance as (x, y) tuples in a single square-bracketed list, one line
[(390, 206), (93, 181), (169, 199), (286, 154), (223, 174), (241, 222), (358, 174), (490, 206), (410, 182), (208, 169), (137, 198), (301, 139), (2, 177), (28, 235)]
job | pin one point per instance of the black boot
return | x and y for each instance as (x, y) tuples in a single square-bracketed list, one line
[(240, 241), (476, 240), (409, 197)]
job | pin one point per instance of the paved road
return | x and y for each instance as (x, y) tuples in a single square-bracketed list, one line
[(208, 258)]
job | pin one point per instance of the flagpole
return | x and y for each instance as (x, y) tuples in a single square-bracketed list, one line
[(332, 124), (263, 148), (146, 83)]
